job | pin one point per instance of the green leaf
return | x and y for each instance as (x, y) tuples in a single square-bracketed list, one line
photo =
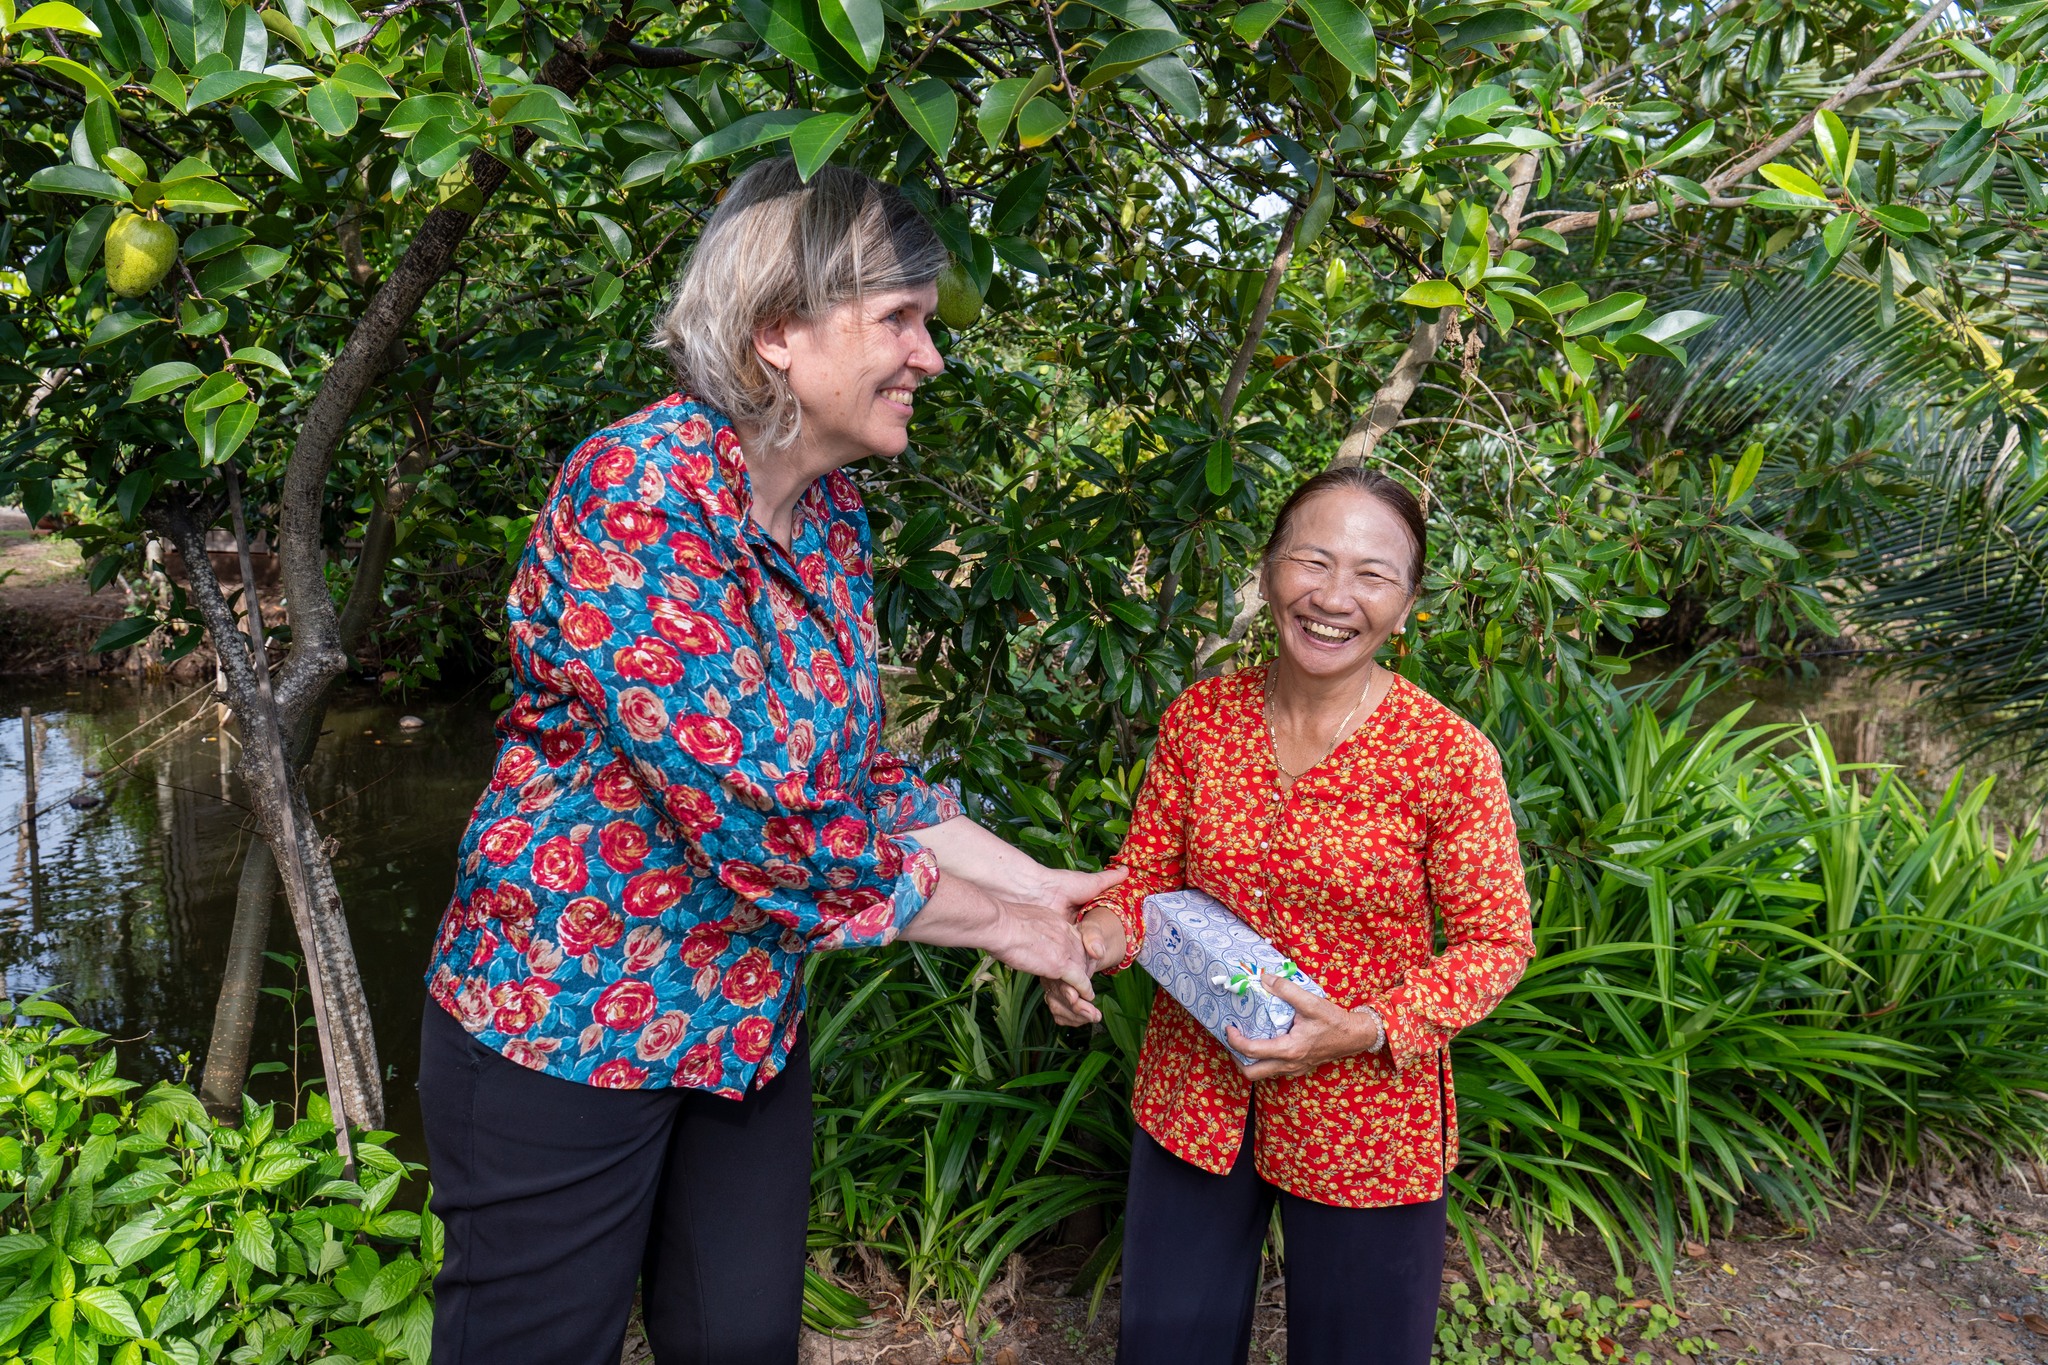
[(408, 116), (813, 141), (1002, 99), (218, 391), (227, 84), (359, 77), (256, 1239), (109, 1311), (752, 131), (1543, 235), (1170, 79), (1019, 201), (1692, 191), (1432, 294), (203, 196), (114, 326), (1039, 121), (1220, 471), (1321, 203), (392, 1286), (1833, 140), (71, 179), (653, 166), (259, 355), (1128, 51), (1674, 326), (1793, 180), (94, 84), (333, 107), (616, 239), (1495, 27), (1745, 472), (24, 1306), (858, 25), (1345, 31), (1786, 199), (931, 110), (209, 242), (55, 14), (1691, 142), (1251, 22), (125, 164), (157, 379), (264, 129), (1617, 307), (796, 29), (248, 265), (1900, 219), (1840, 233)]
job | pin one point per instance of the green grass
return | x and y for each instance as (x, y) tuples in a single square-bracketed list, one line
[(1762, 975)]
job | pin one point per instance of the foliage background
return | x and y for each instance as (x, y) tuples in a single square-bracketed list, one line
[(1697, 326)]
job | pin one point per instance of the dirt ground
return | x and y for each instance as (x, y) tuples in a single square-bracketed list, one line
[(1949, 1275), (48, 617)]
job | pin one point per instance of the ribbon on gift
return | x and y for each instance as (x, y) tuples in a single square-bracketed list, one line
[(1241, 978)]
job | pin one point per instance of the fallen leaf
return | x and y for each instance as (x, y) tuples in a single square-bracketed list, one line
[(1639, 1303), (2036, 1324), (1008, 1356), (1695, 1250), (1727, 1269), (2005, 1317)]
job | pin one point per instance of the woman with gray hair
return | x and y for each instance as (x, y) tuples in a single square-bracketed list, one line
[(692, 796)]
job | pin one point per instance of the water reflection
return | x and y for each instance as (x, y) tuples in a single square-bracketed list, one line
[(125, 909)]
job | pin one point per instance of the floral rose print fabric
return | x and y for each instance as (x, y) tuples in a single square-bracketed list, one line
[(690, 792), (1347, 872)]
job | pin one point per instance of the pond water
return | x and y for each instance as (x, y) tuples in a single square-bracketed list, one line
[(123, 911)]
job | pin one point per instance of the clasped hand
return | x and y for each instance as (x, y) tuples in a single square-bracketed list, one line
[(1046, 941)]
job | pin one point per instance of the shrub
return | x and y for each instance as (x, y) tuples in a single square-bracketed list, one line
[(142, 1230)]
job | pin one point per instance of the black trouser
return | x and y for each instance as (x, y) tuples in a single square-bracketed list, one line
[(560, 1197), (1362, 1284)]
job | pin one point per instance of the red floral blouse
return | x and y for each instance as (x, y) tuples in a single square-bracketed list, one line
[(1348, 872)]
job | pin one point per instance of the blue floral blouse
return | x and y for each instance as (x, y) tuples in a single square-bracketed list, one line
[(691, 793)]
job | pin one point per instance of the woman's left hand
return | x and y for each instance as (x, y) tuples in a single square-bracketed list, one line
[(1322, 1032)]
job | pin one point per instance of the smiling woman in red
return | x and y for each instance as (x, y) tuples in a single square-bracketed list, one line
[(1347, 816)]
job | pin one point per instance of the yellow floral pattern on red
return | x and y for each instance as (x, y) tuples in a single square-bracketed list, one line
[(1347, 872)]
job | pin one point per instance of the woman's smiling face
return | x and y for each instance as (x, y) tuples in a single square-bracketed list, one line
[(855, 370), (1342, 582)]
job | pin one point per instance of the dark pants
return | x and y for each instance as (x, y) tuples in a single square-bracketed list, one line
[(1362, 1284), (560, 1198)]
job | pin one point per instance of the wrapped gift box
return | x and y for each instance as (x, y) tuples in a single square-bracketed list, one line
[(1209, 960)]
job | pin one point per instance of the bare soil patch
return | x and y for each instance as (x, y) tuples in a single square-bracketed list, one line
[(1951, 1274), (48, 616)]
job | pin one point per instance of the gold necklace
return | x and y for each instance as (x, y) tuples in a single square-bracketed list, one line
[(1273, 734)]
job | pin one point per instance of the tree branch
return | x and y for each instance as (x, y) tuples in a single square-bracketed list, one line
[(1241, 366), (317, 656), (1567, 223)]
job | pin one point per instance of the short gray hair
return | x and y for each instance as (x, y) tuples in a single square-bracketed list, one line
[(779, 249)]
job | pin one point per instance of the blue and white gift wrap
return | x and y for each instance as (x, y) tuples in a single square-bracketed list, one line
[(1209, 960)]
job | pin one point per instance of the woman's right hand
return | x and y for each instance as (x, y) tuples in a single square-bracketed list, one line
[(1102, 938)]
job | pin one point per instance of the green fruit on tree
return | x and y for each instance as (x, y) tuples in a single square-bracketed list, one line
[(959, 299), (139, 253)]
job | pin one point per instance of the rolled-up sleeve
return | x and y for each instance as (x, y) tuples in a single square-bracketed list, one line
[(657, 642), (1473, 864)]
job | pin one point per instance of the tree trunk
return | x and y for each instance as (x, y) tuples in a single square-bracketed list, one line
[(234, 1017)]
